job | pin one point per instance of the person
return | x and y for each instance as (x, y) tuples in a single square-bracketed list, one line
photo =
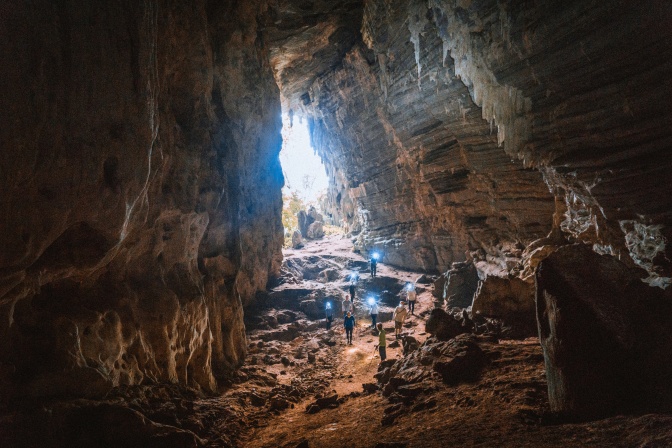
[(412, 296), (382, 343), (349, 324), (398, 317), (374, 263), (374, 313), (352, 290), (329, 314), (347, 306)]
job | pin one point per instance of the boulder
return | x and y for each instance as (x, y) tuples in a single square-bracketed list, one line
[(423, 279), (297, 241), (328, 275), (314, 215), (410, 344), (315, 230), (279, 403), (508, 299), (370, 388), (304, 222), (604, 333), (439, 287), (328, 402), (443, 325), (461, 284), (463, 360)]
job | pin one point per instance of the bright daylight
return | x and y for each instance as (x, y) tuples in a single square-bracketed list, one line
[(305, 177)]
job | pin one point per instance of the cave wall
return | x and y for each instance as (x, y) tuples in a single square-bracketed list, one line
[(140, 189), (455, 129)]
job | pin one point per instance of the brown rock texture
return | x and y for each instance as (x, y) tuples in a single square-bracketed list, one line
[(604, 334), (452, 126), (140, 189), (508, 299)]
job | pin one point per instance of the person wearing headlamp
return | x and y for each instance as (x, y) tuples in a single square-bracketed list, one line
[(373, 310)]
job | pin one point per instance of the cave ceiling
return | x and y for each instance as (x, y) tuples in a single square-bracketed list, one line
[(455, 130)]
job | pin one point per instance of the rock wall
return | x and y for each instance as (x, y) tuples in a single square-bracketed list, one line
[(140, 189), (605, 335), (452, 126)]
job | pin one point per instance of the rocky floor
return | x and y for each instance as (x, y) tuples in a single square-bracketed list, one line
[(302, 386)]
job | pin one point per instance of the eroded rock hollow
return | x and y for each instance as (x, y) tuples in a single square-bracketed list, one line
[(141, 181)]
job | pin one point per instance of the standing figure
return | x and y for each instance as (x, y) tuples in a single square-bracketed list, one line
[(347, 306), (329, 313), (374, 312), (349, 324), (382, 343), (398, 317), (352, 289), (374, 263), (412, 296)]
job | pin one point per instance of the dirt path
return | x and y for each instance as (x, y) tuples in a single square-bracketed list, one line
[(506, 406), (354, 364)]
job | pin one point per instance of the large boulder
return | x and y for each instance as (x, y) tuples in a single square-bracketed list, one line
[(508, 299), (313, 213), (461, 284), (463, 360), (443, 325), (297, 241), (315, 230), (605, 335), (455, 361), (311, 223), (440, 287)]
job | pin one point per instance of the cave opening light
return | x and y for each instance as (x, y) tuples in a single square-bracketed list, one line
[(306, 179)]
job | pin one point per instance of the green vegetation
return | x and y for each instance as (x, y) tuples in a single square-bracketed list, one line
[(292, 203)]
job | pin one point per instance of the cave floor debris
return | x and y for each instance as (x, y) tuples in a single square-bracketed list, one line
[(507, 406), (302, 386)]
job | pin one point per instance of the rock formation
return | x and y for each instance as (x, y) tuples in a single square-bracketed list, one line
[(141, 189), (141, 183), (461, 284), (604, 335), (451, 128)]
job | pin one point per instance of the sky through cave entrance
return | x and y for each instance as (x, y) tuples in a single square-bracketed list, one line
[(302, 167)]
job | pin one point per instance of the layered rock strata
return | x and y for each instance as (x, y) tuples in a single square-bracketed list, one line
[(140, 189), (453, 126)]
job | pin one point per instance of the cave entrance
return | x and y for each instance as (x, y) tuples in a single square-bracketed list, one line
[(306, 179)]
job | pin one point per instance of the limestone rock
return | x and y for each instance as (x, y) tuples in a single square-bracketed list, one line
[(315, 230), (297, 241), (464, 361), (144, 210), (508, 299), (461, 284), (443, 325), (604, 333), (304, 222), (473, 155)]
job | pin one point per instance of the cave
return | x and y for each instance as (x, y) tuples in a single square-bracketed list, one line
[(507, 160)]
